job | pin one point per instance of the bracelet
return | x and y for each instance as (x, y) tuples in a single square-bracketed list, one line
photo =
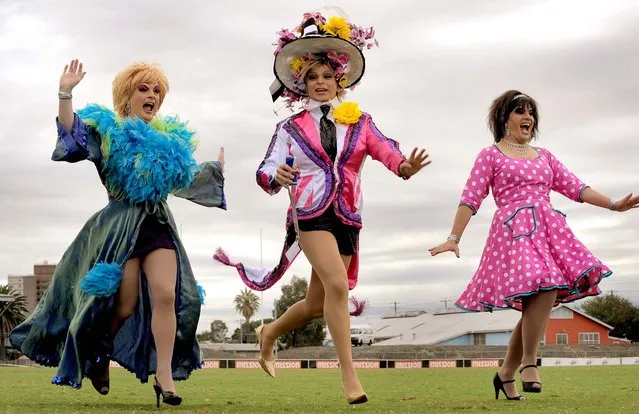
[(453, 237), (611, 206), (64, 95)]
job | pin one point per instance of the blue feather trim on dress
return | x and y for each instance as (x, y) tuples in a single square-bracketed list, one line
[(103, 280), (143, 162), (201, 292)]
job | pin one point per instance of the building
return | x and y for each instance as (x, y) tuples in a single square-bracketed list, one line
[(217, 350), (445, 327), (26, 286), (33, 286), (43, 274), (455, 327), (569, 326)]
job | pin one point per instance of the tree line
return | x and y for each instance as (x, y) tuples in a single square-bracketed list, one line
[(247, 304)]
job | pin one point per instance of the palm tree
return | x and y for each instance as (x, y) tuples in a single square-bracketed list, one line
[(11, 314), (247, 304)]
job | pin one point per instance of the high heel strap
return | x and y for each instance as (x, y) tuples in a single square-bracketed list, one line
[(528, 366)]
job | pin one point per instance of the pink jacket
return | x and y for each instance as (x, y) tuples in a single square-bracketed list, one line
[(322, 184), (321, 181)]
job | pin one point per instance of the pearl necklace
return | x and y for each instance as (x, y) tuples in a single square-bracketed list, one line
[(519, 149)]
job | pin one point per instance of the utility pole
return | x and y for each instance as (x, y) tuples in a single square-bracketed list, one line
[(395, 306), (261, 292), (275, 316), (446, 303)]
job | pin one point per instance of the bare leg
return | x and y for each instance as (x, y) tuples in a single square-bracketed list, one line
[(534, 320), (512, 360), (299, 314), (127, 298), (160, 267), (320, 248), (125, 302)]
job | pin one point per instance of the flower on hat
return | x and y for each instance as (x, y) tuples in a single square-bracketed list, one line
[(347, 113), (340, 59), (297, 64), (338, 26)]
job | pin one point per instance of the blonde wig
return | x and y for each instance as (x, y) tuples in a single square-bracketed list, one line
[(127, 81)]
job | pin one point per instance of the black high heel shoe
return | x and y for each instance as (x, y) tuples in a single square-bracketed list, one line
[(98, 370), (499, 385), (168, 397), (529, 386), (101, 359)]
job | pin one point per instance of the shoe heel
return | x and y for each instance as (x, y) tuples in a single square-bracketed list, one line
[(158, 391), (498, 383)]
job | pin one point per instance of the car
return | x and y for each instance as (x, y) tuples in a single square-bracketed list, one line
[(361, 334)]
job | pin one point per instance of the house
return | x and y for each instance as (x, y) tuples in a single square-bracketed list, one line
[(567, 325)]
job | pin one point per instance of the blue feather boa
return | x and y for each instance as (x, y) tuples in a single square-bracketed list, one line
[(143, 162), (103, 280)]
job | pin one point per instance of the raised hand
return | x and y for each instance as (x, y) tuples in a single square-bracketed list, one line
[(627, 203), (71, 76), (414, 163), (448, 246)]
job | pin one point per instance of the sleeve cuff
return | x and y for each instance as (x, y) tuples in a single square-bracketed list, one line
[(470, 206), (581, 193), (397, 170)]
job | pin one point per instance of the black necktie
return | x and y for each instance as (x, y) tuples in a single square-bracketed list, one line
[(328, 133)]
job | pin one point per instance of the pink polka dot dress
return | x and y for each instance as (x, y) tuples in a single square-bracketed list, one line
[(530, 247)]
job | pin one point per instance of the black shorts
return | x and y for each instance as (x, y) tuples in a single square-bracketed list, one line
[(153, 235), (347, 237)]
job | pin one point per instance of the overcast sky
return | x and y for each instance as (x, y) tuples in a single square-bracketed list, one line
[(429, 84)]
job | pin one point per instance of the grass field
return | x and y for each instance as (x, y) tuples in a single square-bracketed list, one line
[(610, 389)]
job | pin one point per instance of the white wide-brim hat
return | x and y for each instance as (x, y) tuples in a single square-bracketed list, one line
[(318, 44), (311, 41)]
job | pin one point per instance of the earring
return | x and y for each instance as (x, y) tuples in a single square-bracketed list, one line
[(127, 109), (507, 132)]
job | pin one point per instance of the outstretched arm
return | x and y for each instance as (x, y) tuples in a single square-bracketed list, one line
[(386, 151), (567, 184), (71, 76), (475, 191), (207, 187), (462, 218), (594, 198), (76, 141)]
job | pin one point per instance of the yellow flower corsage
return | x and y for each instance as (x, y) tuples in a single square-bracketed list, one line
[(338, 26), (347, 113)]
